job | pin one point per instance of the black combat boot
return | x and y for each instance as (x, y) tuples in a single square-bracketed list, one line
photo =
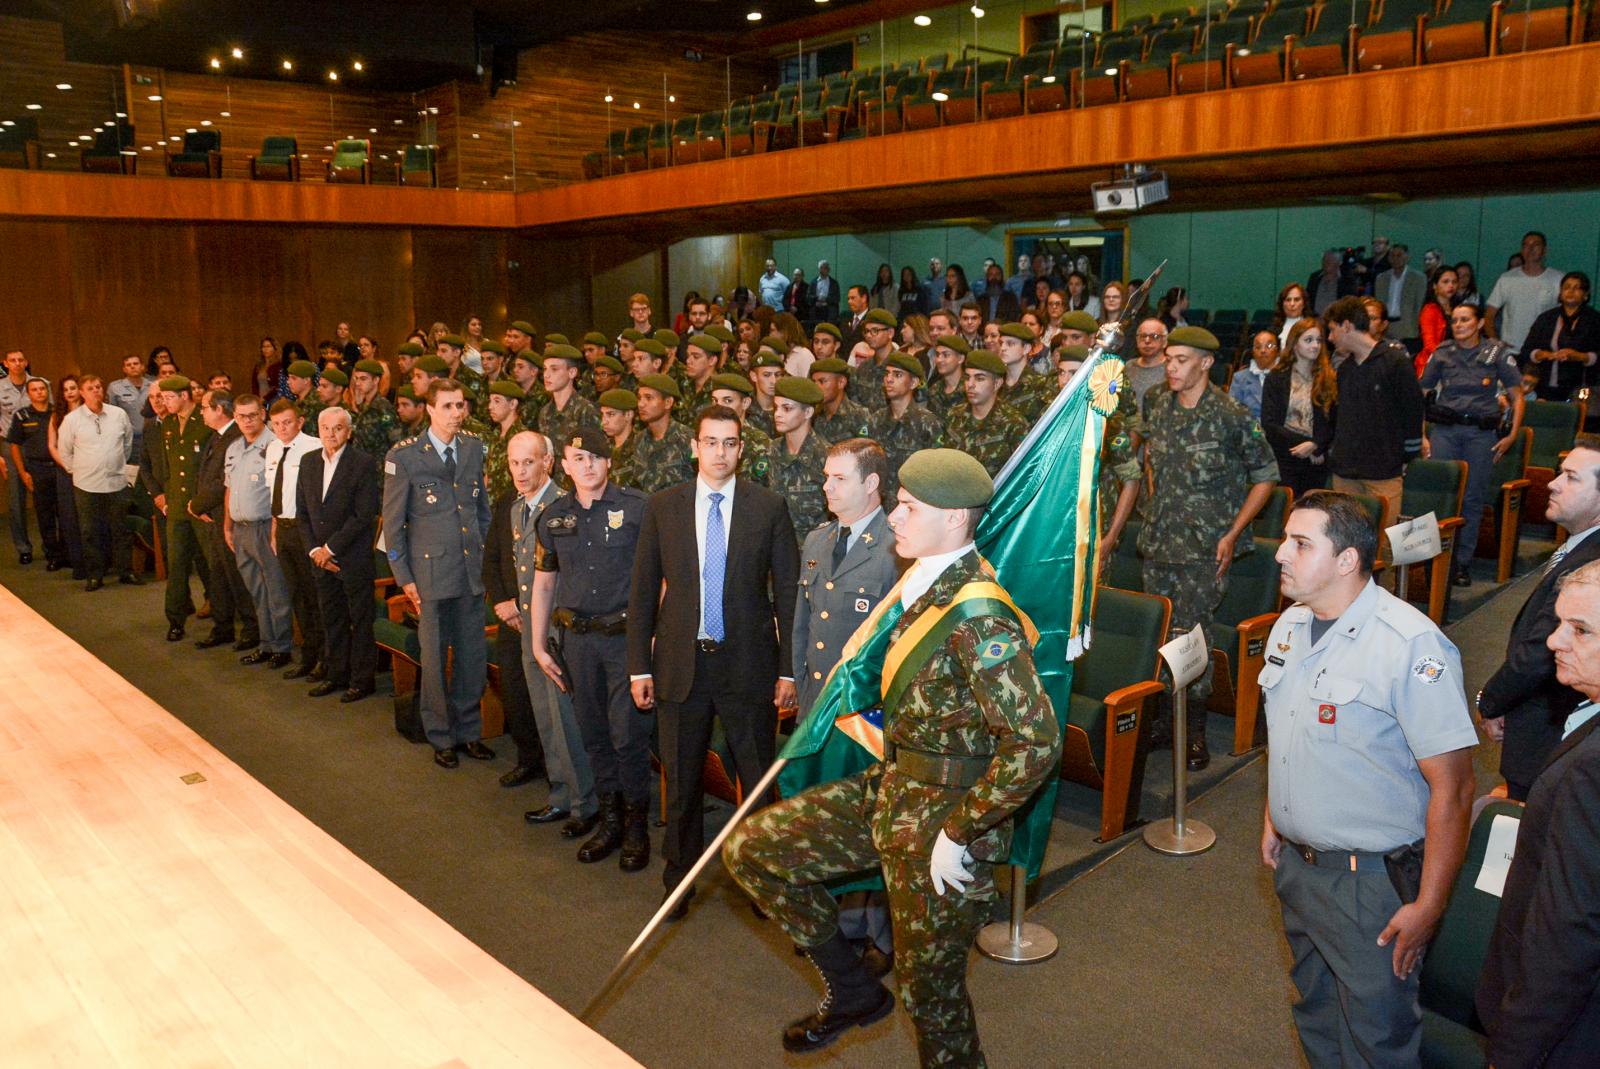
[(635, 838), (851, 997), (609, 835)]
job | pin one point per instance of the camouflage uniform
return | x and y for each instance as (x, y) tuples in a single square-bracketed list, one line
[(528, 409), (648, 465), (476, 387), (310, 407), (693, 401), (992, 440), (1030, 394), (374, 429), (560, 424), (917, 429), (979, 696), (755, 463), (496, 464), (799, 479), (761, 420), (849, 420), (866, 384), (941, 404)]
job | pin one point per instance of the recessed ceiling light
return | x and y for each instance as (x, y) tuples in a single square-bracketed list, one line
[(923, 20), (754, 16), (154, 98), (174, 137), (357, 65), (1111, 71), (941, 97), (608, 98), (85, 137), (288, 65), (1048, 79), (333, 76), (672, 99), (399, 122), (8, 122), (63, 85), (226, 114), (635, 105), (1241, 51), (205, 122), (146, 148), (50, 155), (216, 64), (191, 130), (516, 122), (372, 129), (35, 107), (238, 53), (124, 115), (433, 111), (977, 12), (474, 137)]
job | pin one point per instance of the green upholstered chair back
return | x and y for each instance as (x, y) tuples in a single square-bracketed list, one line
[(616, 140), (1252, 585), (113, 139), (1555, 425), (278, 149), (1129, 628), (1269, 521), (23, 129), (1514, 464), (1435, 486), (1123, 571), (1454, 961), (353, 152), (202, 141), (417, 158)]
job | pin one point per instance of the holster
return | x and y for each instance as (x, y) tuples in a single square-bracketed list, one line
[(1404, 865)]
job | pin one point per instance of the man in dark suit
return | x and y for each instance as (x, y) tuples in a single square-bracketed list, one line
[(998, 304), (850, 327), (1522, 705), (824, 296), (230, 598), (715, 643), (338, 504), (1537, 995)]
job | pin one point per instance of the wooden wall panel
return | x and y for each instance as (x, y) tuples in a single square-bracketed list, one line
[(252, 284), (37, 315), (135, 286), (457, 274), (549, 284), (362, 277), (34, 64)]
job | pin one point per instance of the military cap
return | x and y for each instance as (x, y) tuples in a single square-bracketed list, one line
[(984, 360), (370, 367), (729, 381), (594, 337), (335, 376), (767, 358), (1195, 338), (721, 333), (1080, 320), (651, 346), (433, 365), (706, 343), (882, 317), (534, 358), (1079, 353), (834, 366), (556, 339), (632, 335), (1018, 330), (590, 439), (621, 400), (828, 329), (524, 326), (405, 393), (775, 343), (946, 479), (954, 342), (666, 337), (455, 341), (179, 383), (665, 385), (409, 348), (564, 352), (302, 369), (491, 346), (907, 363), (609, 361), (803, 391), (507, 388)]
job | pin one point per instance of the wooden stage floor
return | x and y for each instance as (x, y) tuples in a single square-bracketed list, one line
[(158, 907)]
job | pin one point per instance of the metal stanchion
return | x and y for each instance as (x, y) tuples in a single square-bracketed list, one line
[(1017, 942), (1179, 836)]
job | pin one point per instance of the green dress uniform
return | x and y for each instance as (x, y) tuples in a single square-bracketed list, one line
[(977, 702), (374, 429), (533, 401), (849, 420), (560, 424), (798, 478), (649, 465), (476, 387), (755, 463), (183, 450), (900, 437), (693, 401), (992, 439), (496, 468)]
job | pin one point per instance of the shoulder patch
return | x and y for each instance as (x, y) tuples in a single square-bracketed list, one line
[(1256, 431), (996, 651), (1429, 670)]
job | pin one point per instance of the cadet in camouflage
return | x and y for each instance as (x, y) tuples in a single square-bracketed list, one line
[(866, 374), (505, 397), (660, 451), (451, 349), (796, 457), (902, 426), (700, 356), (1024, 389), (984, 425), (374, 425), (566, 413), (735, 392), (948, 356), (837, 416)]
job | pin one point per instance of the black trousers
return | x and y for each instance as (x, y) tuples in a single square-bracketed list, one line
[(230, 598), (45, 510), (750, 724), (1301, 476), (520, 725), (294, 557), (348, 648), (103, 519)]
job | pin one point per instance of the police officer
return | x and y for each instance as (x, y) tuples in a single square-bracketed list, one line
[(1468, 372), (581, 583), (1369, 787)]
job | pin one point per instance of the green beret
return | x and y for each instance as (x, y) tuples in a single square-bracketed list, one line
[(721, 333), (410, 348), (775, 343), (632, 335), (803, 391), (556, 339), (524, 326), (621, 400), (706, 343), (610, 362), (832, 367), (651, 346), (594, 337), (829, 329), (907, 363), (178, 383), (954, 342), (1080, 320), (1079, 353), (729, 381), (455, 341), (433, 365), (301, 369), (665, 385), (507, 388), (1019, 331), (946, 479), (984, 360), (1195, 338), (767, 358), (564, 352), (534, 358), (370, 367), (405, 393), (335, 376), (590, 439), (882, 317), (666, 337), (492, 346)]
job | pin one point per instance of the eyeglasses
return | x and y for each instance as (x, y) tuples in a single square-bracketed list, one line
[(1151, 337)]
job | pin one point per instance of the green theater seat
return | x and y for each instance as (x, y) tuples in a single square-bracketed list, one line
[(352, 162)]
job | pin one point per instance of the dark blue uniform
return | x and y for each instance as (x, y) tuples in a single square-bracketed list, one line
[(592, 552)]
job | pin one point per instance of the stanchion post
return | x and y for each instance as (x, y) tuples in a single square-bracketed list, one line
[(1017, 941), (1187, 656)]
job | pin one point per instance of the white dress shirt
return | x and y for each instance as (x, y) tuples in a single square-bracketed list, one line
[(95, 447), (926, 571), (329, 466), (290, 455)]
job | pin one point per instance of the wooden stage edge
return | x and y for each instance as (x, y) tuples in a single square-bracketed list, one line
[(150, 918)]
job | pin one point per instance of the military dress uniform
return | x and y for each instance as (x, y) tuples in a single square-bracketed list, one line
[(943, 403), (798, 478), (649, 465), (496, 465), (183, 449), (992, 439), (755, 462), (849, 420), (900, 436), (694, 399), (476, 389), (310, 408), (1350, 712), (841, 581), (761, 420)]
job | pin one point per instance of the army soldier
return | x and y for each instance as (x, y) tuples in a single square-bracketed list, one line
[(727, 339), (427, 370), (765, 371), (672, 363), (838, 417), (660, 451), (947, 388), (451, 348), (505, 398), (376, 427), (1069, 358), (1023, 390), (435, 520), (525, 372), (734, 391), (1209, 470), (1371, 766), (826, 343), (331, 387), (616, 417), (699, 366), (183, 438), (301, 377), (519, 338), (412, 415), (494, 359), (581, 583), (606, 374), (1077, 328), (566, 412), (1468, 371), (870, 356), (968, 743), (902, 426), (644, 356), (552, 340), (984, 425), (798, 454)]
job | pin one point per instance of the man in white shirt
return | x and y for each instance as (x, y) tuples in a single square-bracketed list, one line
[(95, 441), (288, 448), (1521, 294), (1402, 290)]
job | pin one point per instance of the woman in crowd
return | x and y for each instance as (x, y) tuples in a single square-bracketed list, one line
[(744, 355), (1434, 318), (1055, 306), (1044, 335), (1290, 309), (152, 365), (884, 293), (472, 351), (267, 371), (1249, 382), (1112, 299), (799, 358), (914, 336), (910, 294), (1079, 297), (1299, 404), (956, 290), (1172, 306), (67, 399), (797, 298), (1041, 288), (1563, 340), (1466, 286)]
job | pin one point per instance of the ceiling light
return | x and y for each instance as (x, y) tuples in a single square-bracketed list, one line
[(50, 155), (672, 99), (635, 105), (124, 115), (205, 122), (216, 64), (174, 137), (357, 66), (63, 85), (8, 122), (433, 111), (1241, 51), (399, 122), (226, 114), (146, 148), (1111, 71), (977, 12), (288, 65), (372, 129), (129, 152), (328, 147), (191, 130), (754, 16), (608, 98), (941, 97), (85, 137), (238, 53), (154, 98), (35, 107), (333, 76), (474, 137), (1048, 79), (516, 122), (923, 20)]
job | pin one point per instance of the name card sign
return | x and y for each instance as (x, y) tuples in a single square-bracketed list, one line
[(1187, 656), (1415, 540)]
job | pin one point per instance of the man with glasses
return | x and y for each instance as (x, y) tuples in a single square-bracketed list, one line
[(1149, 365), (1249, 380), (95, 441), (247, 530)]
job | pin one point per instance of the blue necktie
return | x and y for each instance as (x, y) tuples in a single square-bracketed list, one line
[(711, 572)]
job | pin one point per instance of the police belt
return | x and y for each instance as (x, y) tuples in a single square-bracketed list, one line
[(614, 623), (937, 769), (1449, 417), (1343, 860)]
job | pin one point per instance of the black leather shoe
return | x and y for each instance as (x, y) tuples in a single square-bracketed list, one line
[(318, 673), (1461, 578), (445, 758), (578, 827), (127, 579), (25, 558), (354, 694), (94, 584), (278, 660), (477, 751), (174, 634), (246, 644), (323, 689), (679, 911), (1199, 755), (818, 1029), (520, 775), (212, 641), (604, 842), (548, 815), (635, 839), (299, 671), (52, 566), (258, 657)]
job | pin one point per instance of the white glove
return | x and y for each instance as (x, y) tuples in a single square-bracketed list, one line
[(948, 865)]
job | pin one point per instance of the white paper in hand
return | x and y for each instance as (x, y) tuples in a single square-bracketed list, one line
[(1497, 855), (1187, 656), (1414, 540)]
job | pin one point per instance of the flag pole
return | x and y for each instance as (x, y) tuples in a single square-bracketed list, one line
[(670, 902)]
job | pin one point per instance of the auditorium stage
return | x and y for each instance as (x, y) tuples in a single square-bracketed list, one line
[(159, 907)]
